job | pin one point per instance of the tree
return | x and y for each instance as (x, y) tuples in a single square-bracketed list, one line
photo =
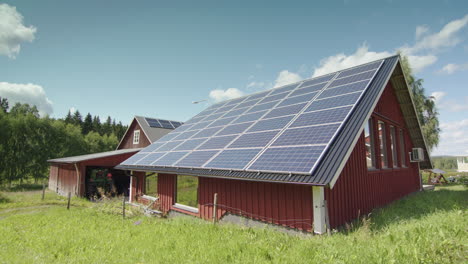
[(425, 106), (69, 118), (4, 104), (97, 125), (77, 118), (87, 124), (24, 109), (107, 126)]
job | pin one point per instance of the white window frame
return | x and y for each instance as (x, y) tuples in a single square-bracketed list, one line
[(382, 128), (136, 137), (393, 146), (370, 127)]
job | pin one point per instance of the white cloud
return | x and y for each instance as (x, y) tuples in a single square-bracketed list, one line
[(438, 96), (421, 30), (32, 94), (72, 109), (254, 85), (219, 95), (453, 140), (450, 105), (12, 31), (343, 61), (287, 77), (418, 63), (452, 68)]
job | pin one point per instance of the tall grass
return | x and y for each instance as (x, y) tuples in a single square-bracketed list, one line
[(427, 227)]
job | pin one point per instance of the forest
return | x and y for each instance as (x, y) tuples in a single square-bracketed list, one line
[(28, 140)]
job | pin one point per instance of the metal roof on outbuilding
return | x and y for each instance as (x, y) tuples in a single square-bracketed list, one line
[(80, 158)]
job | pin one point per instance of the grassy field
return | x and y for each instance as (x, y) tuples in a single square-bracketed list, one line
[(427, 227)]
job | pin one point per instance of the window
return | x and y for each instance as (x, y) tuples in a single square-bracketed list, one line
[(393, 146), (187, 193), (402, 149), (370, 145), (383, 145), (151, 186), (136, 136)]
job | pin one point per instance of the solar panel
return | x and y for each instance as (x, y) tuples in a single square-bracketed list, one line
[(233, 158), (161, 123), (250, 140), (284, 130), (289, 159), (134, 159)]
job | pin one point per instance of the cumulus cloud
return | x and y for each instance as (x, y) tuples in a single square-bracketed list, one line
[(255, 85), (12, 31), (421, 30), (450, 104), (453, 140), (438, 96), (341, 61), (219, 95), (32, 94), (452, 68), (287, 77)]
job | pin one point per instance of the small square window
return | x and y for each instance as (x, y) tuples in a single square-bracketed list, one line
[(136, 137)]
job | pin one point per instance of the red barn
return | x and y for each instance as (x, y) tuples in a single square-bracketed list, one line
[(308, 156), (79, 175)]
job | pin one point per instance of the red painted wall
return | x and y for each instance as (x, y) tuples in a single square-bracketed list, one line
[(281, 204), (359, 190), (127, 141)]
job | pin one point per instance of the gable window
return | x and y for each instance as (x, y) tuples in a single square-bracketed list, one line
[(187, 193), (370, 145), (383, 145), (402, 149), (136, 137), (393, 147)]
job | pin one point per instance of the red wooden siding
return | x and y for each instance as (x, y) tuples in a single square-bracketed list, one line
[(359, 190), (281, 204), (127, 141)]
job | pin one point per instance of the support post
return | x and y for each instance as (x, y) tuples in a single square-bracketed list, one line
[(43, 191), (215, 208), (69, 197), (123, 206), (318, 197)]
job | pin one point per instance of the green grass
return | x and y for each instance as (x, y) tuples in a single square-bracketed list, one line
[(428, 227)]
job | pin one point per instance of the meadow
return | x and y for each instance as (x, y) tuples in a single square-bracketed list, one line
[(426, 227)]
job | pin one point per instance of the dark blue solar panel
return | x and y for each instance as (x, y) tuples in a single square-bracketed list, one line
[(133, 159), (235, 113), (322, 117), (196, 158), (152, 157), (284, 89), (169, 145), (273, 98), (317, 80), (351, 79), (200, 125), (349, 88), (247, 104), (152, 147), (262, 107), (165, 124), (186, 135), (249, 117), (176, 124), (306, 135), (298, 99), (259, 95), (288, 159), (153, 122), (233, 158), (169, 137), (308, 89), (271, 124), (222, 122), (190, 144), (359, 69), (234, 129), (208, 132), (287, 110), (342, 100), (170, 158), (217, 142), (250, 140)]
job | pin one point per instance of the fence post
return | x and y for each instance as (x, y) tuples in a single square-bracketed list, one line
[(123, 206), (43, 190), (215, 207), (69, 197)]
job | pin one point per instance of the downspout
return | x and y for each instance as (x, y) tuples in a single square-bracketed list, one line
[(136, 186)]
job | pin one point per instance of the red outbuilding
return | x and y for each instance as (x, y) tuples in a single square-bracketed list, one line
[(309, 156)]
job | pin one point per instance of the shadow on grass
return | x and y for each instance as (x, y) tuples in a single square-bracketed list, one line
[(415, 206), (23, 188), (3, 199)]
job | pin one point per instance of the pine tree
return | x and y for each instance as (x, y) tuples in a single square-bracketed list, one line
[(69, 118), (77, 118), (97, 125), (87, 124)]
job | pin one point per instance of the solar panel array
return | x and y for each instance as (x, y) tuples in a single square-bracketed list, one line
[(161, 123), (284, 130)]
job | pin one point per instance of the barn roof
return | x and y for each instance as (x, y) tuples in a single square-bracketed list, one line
[(80, 158), (299, 133)]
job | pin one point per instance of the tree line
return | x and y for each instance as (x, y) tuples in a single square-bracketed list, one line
[(28, 140)]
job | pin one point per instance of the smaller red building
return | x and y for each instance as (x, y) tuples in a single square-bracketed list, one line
[(81, 175)]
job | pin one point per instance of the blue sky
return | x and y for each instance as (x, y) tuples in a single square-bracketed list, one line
[(154, 58)]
